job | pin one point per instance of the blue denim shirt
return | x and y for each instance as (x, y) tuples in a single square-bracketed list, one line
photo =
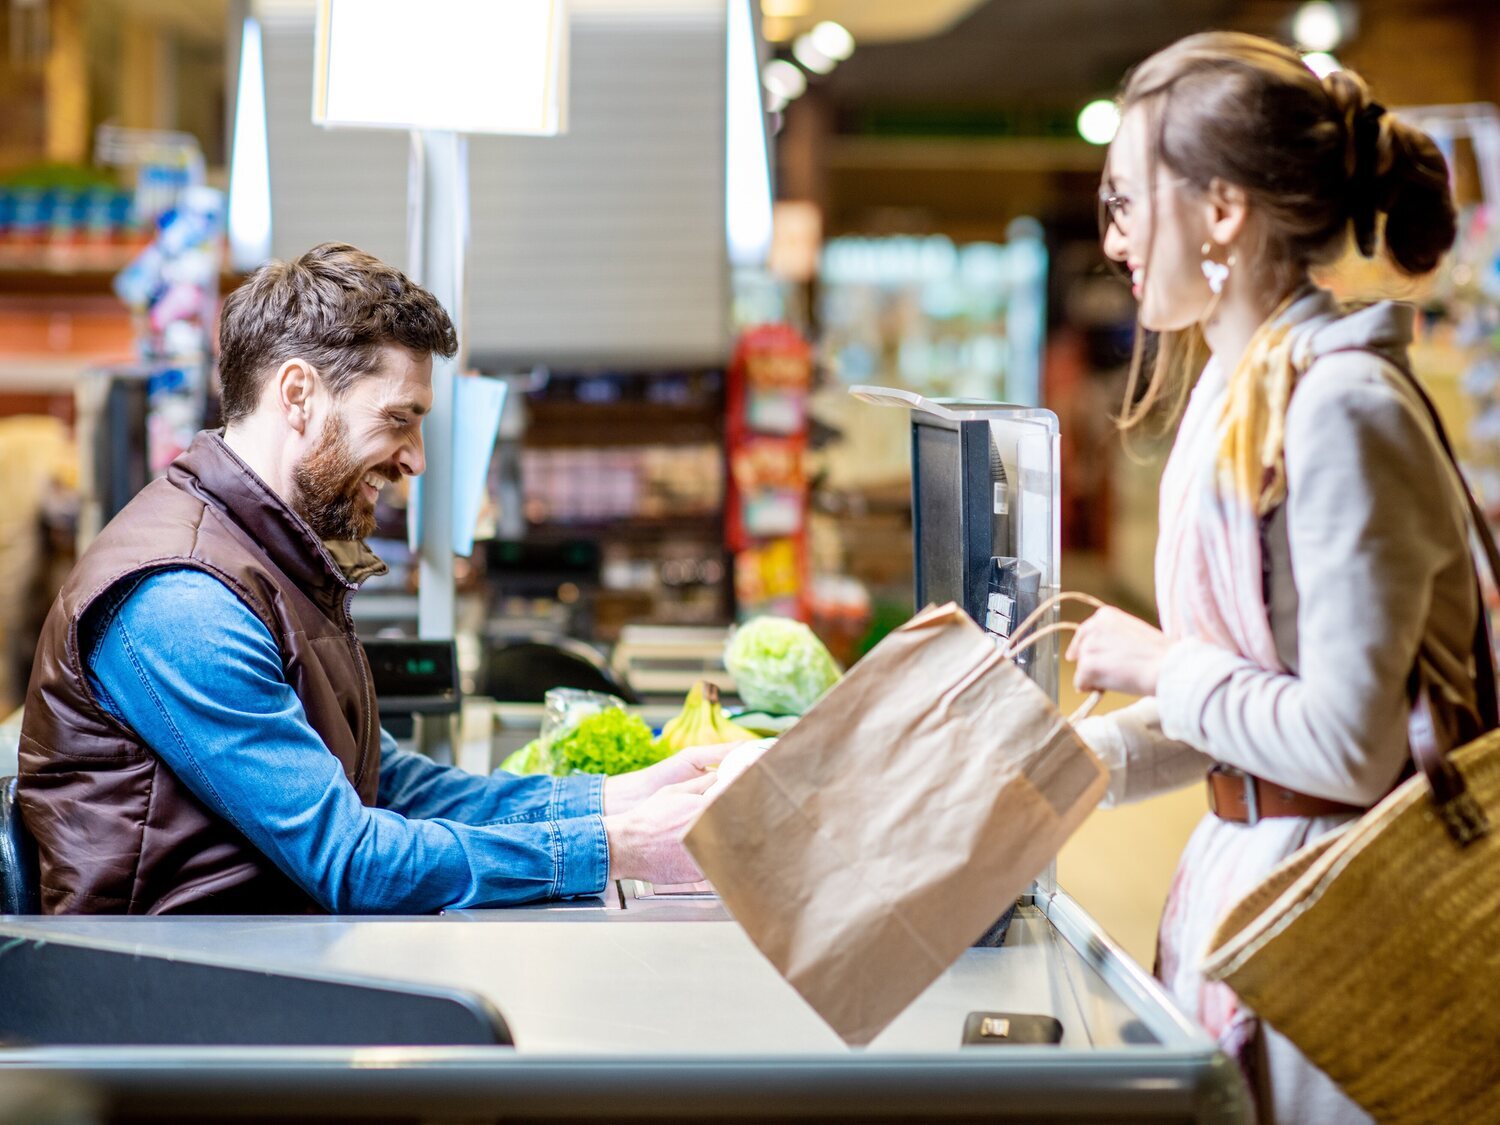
[(198, 677)]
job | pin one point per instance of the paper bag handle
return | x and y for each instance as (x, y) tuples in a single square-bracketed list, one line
[(1042, 610), (1086, 708)]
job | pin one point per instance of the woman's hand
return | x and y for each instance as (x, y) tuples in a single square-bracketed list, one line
[(1114, 651)]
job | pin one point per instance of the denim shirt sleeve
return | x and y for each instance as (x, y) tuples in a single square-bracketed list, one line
[(416, 786), (198, 677)]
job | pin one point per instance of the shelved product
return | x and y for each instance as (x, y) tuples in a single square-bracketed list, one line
[(770, 379), (1462, 372), (622, 489), (936, 318)]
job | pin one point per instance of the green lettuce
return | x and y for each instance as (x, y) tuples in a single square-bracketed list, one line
[(613, 741), (779, 665), (534, 757)]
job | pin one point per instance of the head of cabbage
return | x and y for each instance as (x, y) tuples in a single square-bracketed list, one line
[(779, 665)]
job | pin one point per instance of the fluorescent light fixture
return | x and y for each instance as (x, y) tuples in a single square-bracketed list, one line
[(806, 52), (747, 158), (1098, 121), (1322, 63), (783, 78), (1317, 26), (250, 159), (470, 66), (833, 39)]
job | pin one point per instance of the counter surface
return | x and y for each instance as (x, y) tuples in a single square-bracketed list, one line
[(655, 1002), (657, 977)]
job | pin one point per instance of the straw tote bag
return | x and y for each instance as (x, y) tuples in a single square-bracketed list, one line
[(1376, 949)]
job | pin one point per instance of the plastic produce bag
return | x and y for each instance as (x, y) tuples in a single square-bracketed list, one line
[(562, 710)]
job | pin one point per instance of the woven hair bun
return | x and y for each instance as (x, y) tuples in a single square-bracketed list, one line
[(1395, 170)]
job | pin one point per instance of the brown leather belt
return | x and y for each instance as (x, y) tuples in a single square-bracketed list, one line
[(1246, 799)]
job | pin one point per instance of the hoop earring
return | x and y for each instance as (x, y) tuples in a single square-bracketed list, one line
[(1215, 273)]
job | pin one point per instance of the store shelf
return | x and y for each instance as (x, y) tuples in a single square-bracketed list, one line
[(615, 424), (71, 271), (629, 461), (707, 526)]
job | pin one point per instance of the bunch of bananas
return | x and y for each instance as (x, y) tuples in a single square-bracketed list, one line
[(701, 723)]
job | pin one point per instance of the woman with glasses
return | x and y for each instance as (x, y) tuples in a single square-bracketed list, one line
[(1312, 532)]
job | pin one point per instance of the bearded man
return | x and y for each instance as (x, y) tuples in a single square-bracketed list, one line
[(201, 734)]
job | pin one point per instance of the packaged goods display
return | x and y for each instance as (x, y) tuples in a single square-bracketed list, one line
[(628, 466), (770, 379), (589, 485), (66, 207), (939, 318)]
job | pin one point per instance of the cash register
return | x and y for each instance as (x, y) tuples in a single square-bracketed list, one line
[(986, 511), (413, 677)]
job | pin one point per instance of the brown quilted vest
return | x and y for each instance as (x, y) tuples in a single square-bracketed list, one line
[(116, 831)]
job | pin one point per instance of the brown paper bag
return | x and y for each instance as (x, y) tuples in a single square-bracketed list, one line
[(884, 832)]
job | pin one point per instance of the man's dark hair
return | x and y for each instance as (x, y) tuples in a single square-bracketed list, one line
[(335, 307)]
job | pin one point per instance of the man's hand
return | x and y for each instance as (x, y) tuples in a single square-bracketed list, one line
[(646, 842), (1117, 652), (624, 791)]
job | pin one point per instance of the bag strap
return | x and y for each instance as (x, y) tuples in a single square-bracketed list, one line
[(1432, 738)]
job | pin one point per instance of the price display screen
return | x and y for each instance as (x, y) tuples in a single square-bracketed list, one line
[(411, 669)]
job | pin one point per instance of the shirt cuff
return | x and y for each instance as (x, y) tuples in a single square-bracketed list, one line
[(1190, 673), (583, 862), (578, 794)]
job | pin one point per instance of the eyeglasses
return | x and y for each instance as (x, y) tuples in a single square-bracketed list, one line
[(1114, 209), (1114, 206)]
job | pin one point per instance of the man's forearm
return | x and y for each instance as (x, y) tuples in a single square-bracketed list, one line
[(416, 786)]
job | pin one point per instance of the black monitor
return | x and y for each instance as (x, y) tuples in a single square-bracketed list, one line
[(962, 527), (985, 531), (960, 512)]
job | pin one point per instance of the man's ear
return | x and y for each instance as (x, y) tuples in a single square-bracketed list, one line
[(295, 386), (1228, 212)]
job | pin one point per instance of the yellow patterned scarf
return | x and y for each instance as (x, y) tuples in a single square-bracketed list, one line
[(1252, 430)]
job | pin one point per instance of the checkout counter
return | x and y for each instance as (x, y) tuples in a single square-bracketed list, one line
[(639, 1006), (643, 1004)]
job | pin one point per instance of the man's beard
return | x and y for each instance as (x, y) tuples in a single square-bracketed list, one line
[(326, 486)]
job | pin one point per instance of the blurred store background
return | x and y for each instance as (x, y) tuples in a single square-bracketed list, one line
[(678, 449)]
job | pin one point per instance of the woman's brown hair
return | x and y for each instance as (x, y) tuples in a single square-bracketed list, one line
[(1318, 161)]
